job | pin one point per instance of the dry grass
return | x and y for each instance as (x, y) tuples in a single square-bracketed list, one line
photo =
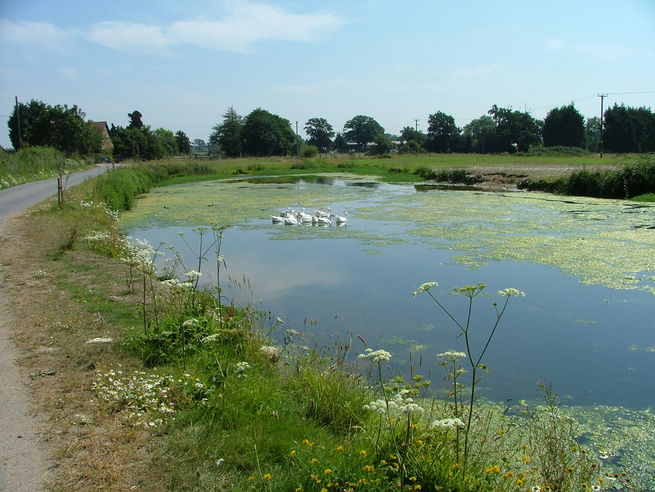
[(92, 450)]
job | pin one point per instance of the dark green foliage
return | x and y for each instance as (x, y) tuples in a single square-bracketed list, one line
[(460, 176), (228, 135), (383, 145), (320, 133), (266, 134), (361, 130), (564, 127), (513, 127), (442, 133), (60, 127), (183, 142), (629, 130)]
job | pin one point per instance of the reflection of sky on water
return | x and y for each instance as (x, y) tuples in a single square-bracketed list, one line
[(577, 337), (590, 342)]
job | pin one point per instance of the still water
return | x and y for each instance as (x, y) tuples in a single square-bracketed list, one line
[(586, 325)]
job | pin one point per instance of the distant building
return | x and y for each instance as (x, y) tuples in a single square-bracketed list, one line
[(106, 146)]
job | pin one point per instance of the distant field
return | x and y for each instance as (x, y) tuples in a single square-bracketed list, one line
[(402, 167)]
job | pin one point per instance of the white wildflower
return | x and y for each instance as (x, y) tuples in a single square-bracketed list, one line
[(375, 355), (424, 287), (447, 424), (241, 368), (193, 274), (451, 355), (511, 293), (271, 352), (191, 322)]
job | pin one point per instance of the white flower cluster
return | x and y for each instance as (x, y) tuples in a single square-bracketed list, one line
[(97, 236), (145, 400), (375, 355), (511, 293), (447, 424), (451, 355), (241, 368), (398, 404), (140, 253), (424, 287), (193, 275)]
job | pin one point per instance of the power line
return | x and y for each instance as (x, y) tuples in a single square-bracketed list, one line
[(621, 93)]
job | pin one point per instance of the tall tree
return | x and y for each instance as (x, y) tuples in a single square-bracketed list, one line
[(183, 142), (167, 142), (320, 133), (479, 134), (266, 134), (514, 128), (629, 129), (60, 127), (564, 126), (442, 132), (228, 135), (135, 119), (362, 130)]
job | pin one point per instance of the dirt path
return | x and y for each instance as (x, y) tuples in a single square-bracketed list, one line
[(24, 450), (24, 453)]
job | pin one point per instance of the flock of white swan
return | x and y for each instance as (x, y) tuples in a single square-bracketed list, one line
[(318, 218)]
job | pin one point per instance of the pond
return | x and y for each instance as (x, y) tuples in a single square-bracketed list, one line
[(586, 325)]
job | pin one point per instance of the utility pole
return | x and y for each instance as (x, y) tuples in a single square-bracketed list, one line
[(297, 142), (20, 136), (416, 124), (600, 144)]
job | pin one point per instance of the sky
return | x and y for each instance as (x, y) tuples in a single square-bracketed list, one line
[(183, 64)]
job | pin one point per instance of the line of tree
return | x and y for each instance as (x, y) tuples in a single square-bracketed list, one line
[(64, 128), (262, 133), (500, 130), (139, 141)]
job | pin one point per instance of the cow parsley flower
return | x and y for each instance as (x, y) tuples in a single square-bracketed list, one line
[(447, 424), (424, 287), (375, 355), (511, 293)]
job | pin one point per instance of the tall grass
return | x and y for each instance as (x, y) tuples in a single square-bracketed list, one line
[(35, 163), (635, 178)]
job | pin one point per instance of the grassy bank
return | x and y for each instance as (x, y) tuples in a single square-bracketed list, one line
[(35, 163), (170, 387), (634, 179)]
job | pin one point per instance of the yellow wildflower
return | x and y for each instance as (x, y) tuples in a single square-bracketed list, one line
[(313, 460), (267, 476), (368, 468), (363, 452), (493, 469), (292, 453), (340, 448)]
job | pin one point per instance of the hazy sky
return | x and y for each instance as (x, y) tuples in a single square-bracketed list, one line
[(182, 64)]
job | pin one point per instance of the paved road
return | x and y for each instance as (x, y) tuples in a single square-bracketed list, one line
[(24, 460), (23, 196)]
